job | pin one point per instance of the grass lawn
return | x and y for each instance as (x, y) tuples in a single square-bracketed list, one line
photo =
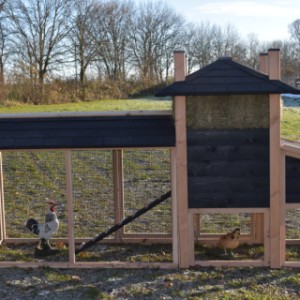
[(99, 105), (290, 124)]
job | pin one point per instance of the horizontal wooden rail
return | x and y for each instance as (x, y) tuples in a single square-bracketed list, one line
[(113, 264), (291, 149)]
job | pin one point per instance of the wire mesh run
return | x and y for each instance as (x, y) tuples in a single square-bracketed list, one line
[(107, 186), (92, 180), (140, 176), (146, 177), (30, 179), (292, 227), (229, 236)]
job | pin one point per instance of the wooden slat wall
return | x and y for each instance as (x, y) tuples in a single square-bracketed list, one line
[(228, 168), (87, 132)]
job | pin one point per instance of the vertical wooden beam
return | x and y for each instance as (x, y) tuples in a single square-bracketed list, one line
[(2, 207), (70, 211), (277, 238), (282, 206), (184, 246), (257, 229), (263, 63), (175, 240), (267, 238), (118, 190)]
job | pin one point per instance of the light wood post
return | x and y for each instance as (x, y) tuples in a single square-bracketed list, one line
[(2, 208), (184, 243), (277, 208), (264, 63), (257, 223), (70, 211), (118, 190)]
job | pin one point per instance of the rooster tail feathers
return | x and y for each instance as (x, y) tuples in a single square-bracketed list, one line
[(32, 225)]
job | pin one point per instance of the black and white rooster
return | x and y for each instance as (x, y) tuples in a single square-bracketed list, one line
[(47, 229)]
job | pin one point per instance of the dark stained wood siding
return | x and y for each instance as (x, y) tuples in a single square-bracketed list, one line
[(87, 132), (292, 180), (228, 168)]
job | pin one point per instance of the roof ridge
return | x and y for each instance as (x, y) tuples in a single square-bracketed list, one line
[(227, 77)]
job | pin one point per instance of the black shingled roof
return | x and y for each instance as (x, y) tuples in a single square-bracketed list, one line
[(226, 77)]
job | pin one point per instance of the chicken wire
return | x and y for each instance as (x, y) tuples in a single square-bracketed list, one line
[(30, 178), (92, 180), (292, 227), (147, 176)]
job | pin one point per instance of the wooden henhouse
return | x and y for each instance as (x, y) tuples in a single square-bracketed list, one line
[(214, 164), (230, 159)]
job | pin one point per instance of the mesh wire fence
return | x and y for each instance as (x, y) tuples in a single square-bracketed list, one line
[(30, 178), (146, 177), (292, 227)]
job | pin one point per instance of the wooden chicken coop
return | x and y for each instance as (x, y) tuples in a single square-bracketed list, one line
[(232, 165), (233, 182)]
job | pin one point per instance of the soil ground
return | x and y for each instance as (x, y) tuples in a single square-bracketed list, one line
[(196, 283)]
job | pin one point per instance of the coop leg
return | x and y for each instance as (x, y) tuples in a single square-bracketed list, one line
[(197, 226)]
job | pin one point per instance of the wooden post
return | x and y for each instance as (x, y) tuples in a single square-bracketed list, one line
[(2, 208), (175, 239), (70, 211), (257, 228), (118, 190), (184, 244), (264, 63), (277, 209)]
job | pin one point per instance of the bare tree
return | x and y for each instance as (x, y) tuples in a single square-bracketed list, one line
[(289, 58), (111, 31), (82, 44), (3, 41), (155, 35), (294, 29), (39, 27)]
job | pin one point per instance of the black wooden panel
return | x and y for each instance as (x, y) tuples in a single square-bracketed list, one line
[(228, 200), (228, 152), (292, 180), (87, 132), (225, 168), (228, 184), (233, 137), (228, 168)]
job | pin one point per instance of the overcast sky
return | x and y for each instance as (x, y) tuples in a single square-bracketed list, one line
[(268, 19)]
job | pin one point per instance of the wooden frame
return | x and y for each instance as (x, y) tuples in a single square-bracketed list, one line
[(180, 158), (126, 238), (277, 222), (118, 190), (2, 208), (290, 149), (183, 218)]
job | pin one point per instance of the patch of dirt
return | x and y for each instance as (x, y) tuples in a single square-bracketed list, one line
[(121, 284)]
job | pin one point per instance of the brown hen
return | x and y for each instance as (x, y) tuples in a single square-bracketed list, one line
[(229, 241)]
